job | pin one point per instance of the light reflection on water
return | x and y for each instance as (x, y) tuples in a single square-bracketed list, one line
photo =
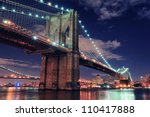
[(34, 94), (115, 94)]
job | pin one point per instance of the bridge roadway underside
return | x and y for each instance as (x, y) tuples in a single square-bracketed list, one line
[(24, 41), (11, 37), (98, 67)]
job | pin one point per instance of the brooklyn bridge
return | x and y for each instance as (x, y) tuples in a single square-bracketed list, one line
[(58, 43)]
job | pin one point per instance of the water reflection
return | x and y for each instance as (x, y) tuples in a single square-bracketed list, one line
[(120, 94), (113, 94), (142, 94), (116, 94)]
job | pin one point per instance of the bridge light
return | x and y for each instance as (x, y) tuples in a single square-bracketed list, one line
[(80, 21), (56, 6), (108, 86), (48, 40), (14, 10), (5, 21), (35, 37), (90, 38), (54, 43), (36, 15), (63, 45), (9, 22), (88, 35), (42, 17), (49, 4), (62, 8), (82, 26), (67, 10), (30, 14), (85, 31), (41, 1), (3, 7)]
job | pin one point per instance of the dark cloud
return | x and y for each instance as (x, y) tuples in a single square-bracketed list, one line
[(144, 13), (108, 9)]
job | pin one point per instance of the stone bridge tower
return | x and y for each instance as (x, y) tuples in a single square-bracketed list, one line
[(60, 71)]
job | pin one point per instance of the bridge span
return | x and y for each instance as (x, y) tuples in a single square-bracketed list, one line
[(58, 47)]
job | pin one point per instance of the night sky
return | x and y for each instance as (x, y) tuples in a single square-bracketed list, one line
[(122, 24)]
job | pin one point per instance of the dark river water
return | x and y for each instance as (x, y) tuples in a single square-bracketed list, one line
[(111, 94)]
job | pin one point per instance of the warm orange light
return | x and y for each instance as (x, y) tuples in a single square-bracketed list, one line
[(12, 75), (9, 22)]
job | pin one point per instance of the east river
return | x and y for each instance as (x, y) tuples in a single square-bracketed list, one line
[(12, 93)]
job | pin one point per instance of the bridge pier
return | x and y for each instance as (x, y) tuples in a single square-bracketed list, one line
[(60, 72)]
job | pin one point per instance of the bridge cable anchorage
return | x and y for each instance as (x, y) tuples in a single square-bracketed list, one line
[(94, 45), (18, 73)]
